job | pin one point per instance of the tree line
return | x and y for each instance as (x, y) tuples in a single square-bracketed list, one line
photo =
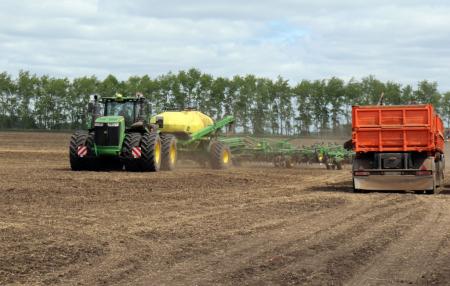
[(260, 105)]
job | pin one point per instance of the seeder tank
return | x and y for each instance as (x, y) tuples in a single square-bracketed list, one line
[(189, 121)]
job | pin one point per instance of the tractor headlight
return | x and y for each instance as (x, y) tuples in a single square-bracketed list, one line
[(113, 124)]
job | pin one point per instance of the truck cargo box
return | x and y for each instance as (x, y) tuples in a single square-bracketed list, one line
[(397, 129)]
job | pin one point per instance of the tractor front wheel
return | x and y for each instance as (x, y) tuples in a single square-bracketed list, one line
[(81, 151), (220, 155), (142, 152)]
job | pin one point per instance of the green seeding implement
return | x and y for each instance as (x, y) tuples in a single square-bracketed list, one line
[(123, 135)]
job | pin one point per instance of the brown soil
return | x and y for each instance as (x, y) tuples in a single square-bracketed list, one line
[(253, 225)]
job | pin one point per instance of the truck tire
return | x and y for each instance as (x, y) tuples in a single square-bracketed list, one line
[(142, 152), (81, 151), (220, 155), (169, 152)]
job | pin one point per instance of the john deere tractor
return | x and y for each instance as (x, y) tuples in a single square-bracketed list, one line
[(122, 135)]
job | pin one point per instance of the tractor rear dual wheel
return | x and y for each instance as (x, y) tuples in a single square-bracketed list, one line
[(142, 152), (220, 155)]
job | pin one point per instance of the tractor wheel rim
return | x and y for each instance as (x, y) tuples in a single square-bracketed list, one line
[(173, 153), (225, 157), (157, 152)]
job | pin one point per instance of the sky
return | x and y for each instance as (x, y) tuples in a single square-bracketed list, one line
[(403, 41)]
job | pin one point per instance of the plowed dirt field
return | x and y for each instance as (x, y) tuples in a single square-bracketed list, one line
[(251, 225)]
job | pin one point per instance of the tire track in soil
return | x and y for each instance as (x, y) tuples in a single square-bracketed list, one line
[(335, 265), (240, 226), (409, 259), (319, 251), (233, 262), (119, 256)]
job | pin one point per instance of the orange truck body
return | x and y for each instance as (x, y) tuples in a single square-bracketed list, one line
[(398, 128), (398, 148)]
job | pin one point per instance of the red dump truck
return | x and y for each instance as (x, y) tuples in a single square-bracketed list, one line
[(398, 148)]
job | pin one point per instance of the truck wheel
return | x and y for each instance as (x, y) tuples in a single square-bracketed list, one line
[(169, 152), (81, 151), (220, 155)]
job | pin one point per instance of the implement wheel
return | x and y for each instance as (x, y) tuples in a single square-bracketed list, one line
[(142, 152), (220, 155), (169, 152)]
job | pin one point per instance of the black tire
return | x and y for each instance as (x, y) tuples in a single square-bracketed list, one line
[(169, 152), (150, 159), (220, 155), (78, 139), (151, 152), (92, 162), (132, 139)]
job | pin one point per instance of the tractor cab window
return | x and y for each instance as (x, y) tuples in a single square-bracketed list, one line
[(125, 109)]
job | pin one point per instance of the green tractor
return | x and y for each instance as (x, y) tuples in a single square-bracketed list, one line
[(120, 136), (123, 135)]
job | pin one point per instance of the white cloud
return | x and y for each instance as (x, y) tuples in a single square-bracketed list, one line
[(403, 41)]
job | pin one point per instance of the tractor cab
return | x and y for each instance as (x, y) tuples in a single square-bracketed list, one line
[(129, 110), (113, 117)]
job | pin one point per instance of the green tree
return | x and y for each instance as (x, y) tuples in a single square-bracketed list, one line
[(304, 119), (80, 92), (109, 86), (335, 92), (445, 107), (427, 92), (8, 102)]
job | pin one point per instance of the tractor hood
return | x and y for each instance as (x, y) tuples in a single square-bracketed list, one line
[(109, 119)]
